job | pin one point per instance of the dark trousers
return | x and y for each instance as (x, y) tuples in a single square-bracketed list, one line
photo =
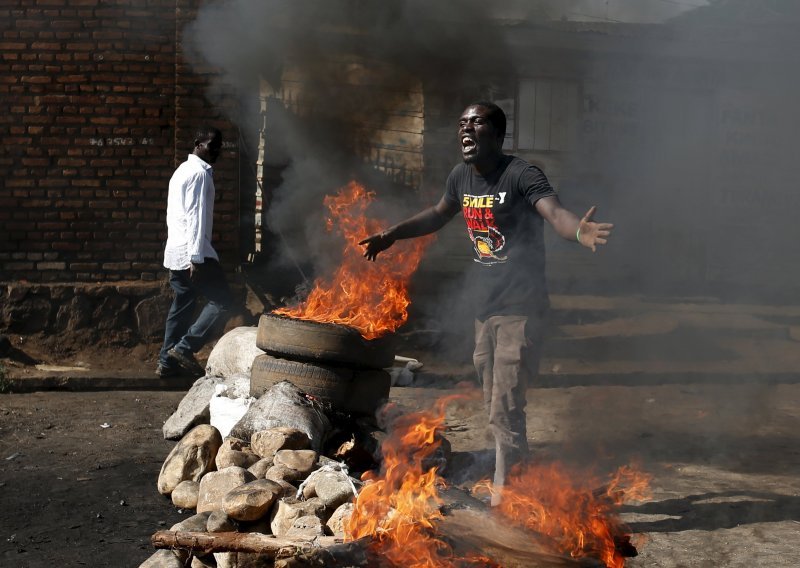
[(183, 332), (506, 357)]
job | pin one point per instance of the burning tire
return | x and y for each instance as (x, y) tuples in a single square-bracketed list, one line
[(360, 391), (324, 342)]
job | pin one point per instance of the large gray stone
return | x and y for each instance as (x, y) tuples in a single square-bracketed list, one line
[(218, 521), (162, 559), (226, 559), (251, 501), (205, 561), (309, 526), (259, 469), (266, 442), (235, 452), (233, 354), (303, 461), (288, 510), (244, 560), (289, 490), (216, 484), (339, 518), (192, 410), (281, 473), (333, 487), (184, 496), (283, 405), (195, 523), (190, 459)]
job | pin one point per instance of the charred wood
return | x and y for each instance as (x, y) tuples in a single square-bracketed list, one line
[(204, 543), (346, 555)]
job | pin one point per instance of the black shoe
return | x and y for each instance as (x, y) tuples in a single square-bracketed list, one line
[(168, 372), (187, 362)]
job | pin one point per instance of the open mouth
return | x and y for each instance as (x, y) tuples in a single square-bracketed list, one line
[(468, 145)]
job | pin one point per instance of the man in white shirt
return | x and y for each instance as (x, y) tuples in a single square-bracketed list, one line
[(194, 268)]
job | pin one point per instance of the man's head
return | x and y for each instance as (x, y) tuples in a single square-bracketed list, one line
[(481, 130), (207, 144)]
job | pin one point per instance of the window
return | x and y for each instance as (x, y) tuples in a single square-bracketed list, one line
[(548, 113)]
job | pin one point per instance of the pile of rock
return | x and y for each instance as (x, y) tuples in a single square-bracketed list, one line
[(273, 483), (280, 468)]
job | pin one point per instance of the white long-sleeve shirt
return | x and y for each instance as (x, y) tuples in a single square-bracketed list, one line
[(190, 215)]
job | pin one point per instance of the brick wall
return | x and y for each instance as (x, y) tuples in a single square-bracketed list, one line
[(97, 108)]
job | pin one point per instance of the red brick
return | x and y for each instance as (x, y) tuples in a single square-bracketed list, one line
[(83, 266), (65, 24), (81, 46), (15, 182), (45, 45), (38, 79), (71, 162), (66, 246), (51, 226), (51, 266), (71, 79)]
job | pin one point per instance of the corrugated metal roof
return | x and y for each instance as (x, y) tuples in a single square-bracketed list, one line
[(743, 12)]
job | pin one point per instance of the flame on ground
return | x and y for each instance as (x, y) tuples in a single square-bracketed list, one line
[(576, 511), (371, 297), (398, 509)]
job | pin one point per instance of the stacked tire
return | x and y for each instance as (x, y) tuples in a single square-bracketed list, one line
[(332, 363)]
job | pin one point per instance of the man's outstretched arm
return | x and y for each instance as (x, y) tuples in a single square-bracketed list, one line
[(427, 221), (569, 226)]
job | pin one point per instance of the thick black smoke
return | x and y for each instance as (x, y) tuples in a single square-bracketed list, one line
[(685, 130), (357, 63)]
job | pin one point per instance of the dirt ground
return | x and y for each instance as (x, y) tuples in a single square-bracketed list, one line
[(78, 470), (79, 486)]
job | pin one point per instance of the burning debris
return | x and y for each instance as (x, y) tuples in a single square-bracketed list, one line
[(370, 297), (567, 508), (278, 490), (276, 499)]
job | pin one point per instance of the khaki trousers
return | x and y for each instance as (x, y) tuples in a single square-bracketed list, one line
[(506, 357)]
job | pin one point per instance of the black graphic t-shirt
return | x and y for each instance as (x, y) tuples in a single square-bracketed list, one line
[(507, 235)]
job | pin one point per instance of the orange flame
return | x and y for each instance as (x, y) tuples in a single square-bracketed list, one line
[(368, 296), (580, 519), (399, 508)]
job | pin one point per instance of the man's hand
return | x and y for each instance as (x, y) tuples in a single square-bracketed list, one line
[(592, 234), (194, 270), (376, 243)]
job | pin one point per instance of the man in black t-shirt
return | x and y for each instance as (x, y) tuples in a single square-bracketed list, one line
[(504, 201)]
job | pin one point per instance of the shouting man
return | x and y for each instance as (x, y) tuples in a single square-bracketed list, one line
[(194, 268), (504, 201)]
